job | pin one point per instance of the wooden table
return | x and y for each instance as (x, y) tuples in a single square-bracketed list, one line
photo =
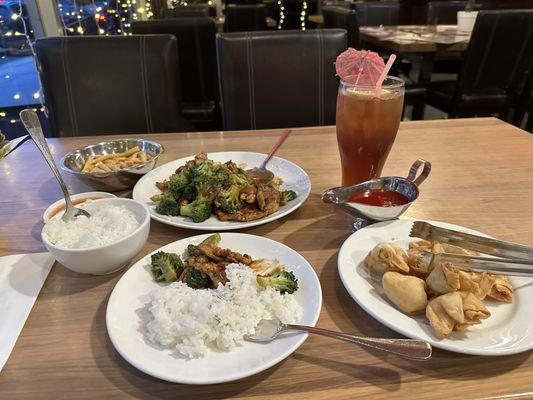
[(481, 178), (422, 43)]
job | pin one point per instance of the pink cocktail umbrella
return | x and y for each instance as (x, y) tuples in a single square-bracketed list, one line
[(362, 66)]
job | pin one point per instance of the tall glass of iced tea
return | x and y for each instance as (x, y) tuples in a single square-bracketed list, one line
[(367, 126)]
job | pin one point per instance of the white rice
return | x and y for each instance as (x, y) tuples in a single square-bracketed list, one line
[(194, 321), (108, 224)]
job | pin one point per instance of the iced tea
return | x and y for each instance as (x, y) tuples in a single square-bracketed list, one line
[(366, 127)]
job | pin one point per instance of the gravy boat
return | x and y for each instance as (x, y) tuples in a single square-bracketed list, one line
[(367, 214)]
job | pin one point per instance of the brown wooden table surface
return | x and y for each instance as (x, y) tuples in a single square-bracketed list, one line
[(482, 178), (420, 39)]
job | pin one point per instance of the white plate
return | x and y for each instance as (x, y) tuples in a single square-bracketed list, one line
[(128, 300), (294, 178), (508, 330)]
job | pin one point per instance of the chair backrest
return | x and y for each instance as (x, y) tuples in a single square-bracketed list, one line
[(378, 13), (342, 18), (500, 52), (245, 18), (279, 79), (196, 54), (97, 85), (443, 12), (187, 12)]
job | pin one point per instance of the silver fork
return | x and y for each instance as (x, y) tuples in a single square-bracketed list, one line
[(269, 329), (32, 124)]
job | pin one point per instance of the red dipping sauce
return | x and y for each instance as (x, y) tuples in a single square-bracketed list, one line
[(380, 198)]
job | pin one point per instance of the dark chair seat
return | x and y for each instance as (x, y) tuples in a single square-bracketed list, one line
[(490, 100), (279, 79), (98, 85), (188, 12)]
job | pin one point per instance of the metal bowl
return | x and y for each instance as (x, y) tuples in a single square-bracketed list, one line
[(123, 179)]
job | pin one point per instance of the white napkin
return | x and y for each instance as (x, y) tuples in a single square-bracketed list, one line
[(21, 278)]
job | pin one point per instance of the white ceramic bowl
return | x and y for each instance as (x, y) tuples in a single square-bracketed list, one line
[(103, 260), (54, 208)]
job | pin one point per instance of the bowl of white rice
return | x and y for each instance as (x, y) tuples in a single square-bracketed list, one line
[(115, 233)]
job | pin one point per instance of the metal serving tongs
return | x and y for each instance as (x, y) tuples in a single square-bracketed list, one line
[(510, 258)]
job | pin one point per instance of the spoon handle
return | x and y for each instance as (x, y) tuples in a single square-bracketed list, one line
[(408, 348), (278, 144), (32, 124)]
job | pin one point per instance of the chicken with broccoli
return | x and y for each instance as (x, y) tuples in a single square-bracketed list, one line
[(203, 187), (204, 266)]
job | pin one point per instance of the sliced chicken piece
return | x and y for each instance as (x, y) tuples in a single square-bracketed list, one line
[(219, 254), (248, 194)]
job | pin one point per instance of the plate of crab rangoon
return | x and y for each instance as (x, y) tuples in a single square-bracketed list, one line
[(452, 308), (183, 312)]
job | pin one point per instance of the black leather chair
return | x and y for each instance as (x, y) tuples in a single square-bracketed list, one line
[(96, 85), (245, 18), (498, 60), (197, 65), (378, 13), (443, 12), (342, 18), (279, 79), (181, 11)]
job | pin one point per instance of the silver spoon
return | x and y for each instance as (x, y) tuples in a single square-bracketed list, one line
[(32, 124), (269, 329), (261, 174)]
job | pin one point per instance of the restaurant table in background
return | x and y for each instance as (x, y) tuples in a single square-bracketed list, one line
[(426, 42), (64, 350)]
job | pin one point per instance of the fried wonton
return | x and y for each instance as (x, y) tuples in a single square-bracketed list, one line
[(408, 293), (387, 257), (455, 311), (502, 289), (444, 278), (419, 266), (477, 283)]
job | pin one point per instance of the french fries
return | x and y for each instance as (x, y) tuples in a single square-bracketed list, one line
[(116, 161)]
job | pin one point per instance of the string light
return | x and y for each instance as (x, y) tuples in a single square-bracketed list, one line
[(303, 14), (281, 14)]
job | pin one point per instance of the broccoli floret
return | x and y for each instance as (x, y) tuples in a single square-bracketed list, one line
[(167, 205), (199, 210), (287, 195), (178, 182), (166, 267), (209, 173), (240, 178), (229, 199), (196, 279), (213, 239), (192, 250), (190, 193), (283, 281)]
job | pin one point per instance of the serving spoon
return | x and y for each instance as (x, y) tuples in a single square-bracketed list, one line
[(261, 174), (269, 329), (32, 124)]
